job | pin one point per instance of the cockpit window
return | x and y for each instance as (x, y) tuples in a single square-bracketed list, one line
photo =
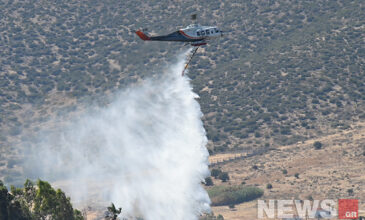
[(198, 33), (216, 30), (203, 33), (212, 31), (207, 31)]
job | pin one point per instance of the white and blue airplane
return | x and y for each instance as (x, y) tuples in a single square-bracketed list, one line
[(194, 34)]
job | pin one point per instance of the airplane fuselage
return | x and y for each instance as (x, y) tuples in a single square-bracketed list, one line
[(195, 34), (198, 32)]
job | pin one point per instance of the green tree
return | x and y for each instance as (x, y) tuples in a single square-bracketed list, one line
[(113, 212), (38, 202), (50, 203), (10, 208)]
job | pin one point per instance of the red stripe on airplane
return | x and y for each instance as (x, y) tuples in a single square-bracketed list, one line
[(142, 35), (183, 33)]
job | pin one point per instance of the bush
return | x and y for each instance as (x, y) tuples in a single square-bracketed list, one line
[(227, 195), (350, 191), (220, 217), (296, 175), (215, 173), (269, 186), (285, 172), (208, 181), (211, 216), (317, 145), (224, 176)]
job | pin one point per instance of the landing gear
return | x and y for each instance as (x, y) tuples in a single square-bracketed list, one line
[(190, 58)]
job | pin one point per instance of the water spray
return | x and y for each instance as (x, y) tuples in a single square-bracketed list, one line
[(145, 151)]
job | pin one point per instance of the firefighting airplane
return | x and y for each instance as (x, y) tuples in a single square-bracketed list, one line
[(194, 34)]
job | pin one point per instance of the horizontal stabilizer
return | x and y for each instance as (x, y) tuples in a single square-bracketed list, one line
[(142, 35)]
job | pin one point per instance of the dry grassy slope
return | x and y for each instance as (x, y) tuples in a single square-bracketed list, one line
[(325, 173)]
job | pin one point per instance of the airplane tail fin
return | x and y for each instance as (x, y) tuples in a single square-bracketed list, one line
[(142, 35)]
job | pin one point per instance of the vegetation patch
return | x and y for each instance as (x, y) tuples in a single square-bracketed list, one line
[(230, 195), (34, 202)]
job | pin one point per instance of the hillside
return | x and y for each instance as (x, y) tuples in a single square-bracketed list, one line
[(333, 172), (290, 71)]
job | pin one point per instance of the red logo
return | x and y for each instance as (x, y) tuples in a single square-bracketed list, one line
[(348, 208)]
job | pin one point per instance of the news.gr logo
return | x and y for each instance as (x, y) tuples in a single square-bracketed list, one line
[(306, 209), (348, 208)]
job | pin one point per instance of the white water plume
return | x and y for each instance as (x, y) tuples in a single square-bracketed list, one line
[(145, 151)]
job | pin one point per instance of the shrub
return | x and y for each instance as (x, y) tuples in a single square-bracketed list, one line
[(227, 195), (350, 191), (285, 172), (211, 216), (215, 173), (317, 145), (208, 181), (224, 176), (220, 217), (269, 186), (296, 175)]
